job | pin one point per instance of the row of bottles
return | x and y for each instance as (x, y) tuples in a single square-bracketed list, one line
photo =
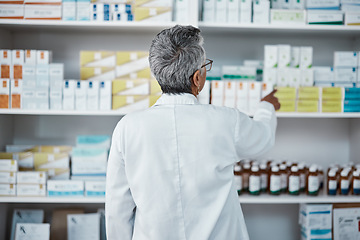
[(295, 178), (277, 178)]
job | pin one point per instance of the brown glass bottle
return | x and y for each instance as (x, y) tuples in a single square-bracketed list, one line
[(238, 178), (284, 177), (345, 181), (355, 190), (332, 182), (312, 181), (302, 173), (275, 181), (246, 174), (294, 181), (264, 174), (254, 181)]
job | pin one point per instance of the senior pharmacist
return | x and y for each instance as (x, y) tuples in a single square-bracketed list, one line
[(170, 170)]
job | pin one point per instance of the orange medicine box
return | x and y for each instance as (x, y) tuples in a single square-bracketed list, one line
[(4, 93), (16, 90), (17, 63), (5, 62)]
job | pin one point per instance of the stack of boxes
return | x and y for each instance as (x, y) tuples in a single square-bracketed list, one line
[(352, 100), (332, 99), (8, 171), (42, 9), (12, 9), (153, 10), (315, 221), (308, 99), (324, 12), (31, 184), (352, 12)]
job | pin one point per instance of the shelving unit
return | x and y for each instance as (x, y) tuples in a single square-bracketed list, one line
[(321, 138)]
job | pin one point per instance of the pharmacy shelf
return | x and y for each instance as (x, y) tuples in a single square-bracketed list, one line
[(244, 198), (121, 113), (55, 25), (52, 200), (274, 28)]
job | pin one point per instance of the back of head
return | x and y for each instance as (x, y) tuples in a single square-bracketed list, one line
[(175, 55)]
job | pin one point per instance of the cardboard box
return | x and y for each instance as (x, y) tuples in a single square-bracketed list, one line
[(352, 18), (7, 177), (81, 95), (345, 74), (105, 95), (31, 190), (25, 160), (221, 11), (217, 93), (131, 87), (332, 93), (307, 105), (27, 230), (56, 99), (209, 10), (352, 93), (271, 56), (11, 11), (59, 188), (42, 98), (309, 93), (42, 75), (270, 76), (295, 77), (56, 75), (59, 222), (8, 165), (287, 105), (345, 59), (25, 216), (5, 93), (323, 4), (19, 148), (43, 57), (82, 10), (30, 57), (307, 77), (97, 59), (286, 93), (325, 17), (132, 65), (233, 11), (93, 95), (88, 167), (17, 57), (153, 14), (261, 12), (284, 56), (323, 74), (57, 173), (28, 98), (346, 220), (83, 225), (332, 106), (31, 177), (230, 94), (97, 73), (51, 160), (5, 57), (16, 92), (133, 103), (91, 141), (245, 11), (53, 149), (283, 77), (29, 75), (42, 12), (95, 188), (7, 190), (295, 57), (69, 94), (69, 10), (306, 57)]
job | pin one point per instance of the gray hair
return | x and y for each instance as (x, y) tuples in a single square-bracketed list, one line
[(175, 55)]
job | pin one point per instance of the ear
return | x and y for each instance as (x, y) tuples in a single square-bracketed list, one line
[(196, 79)]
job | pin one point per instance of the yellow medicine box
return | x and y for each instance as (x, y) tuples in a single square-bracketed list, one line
[(332, 93), (53, 149), (288, 93), (97, 59), (131, 87), (287, 106), (307, 106), (25, 160), (49, 160), (153, 14), (130, 56), (97, 73), (332, 106), (309, 93)]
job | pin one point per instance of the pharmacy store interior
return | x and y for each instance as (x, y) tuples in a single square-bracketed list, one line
[(71, 70)]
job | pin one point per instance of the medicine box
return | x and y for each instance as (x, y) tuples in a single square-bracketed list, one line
[(7, 189), (92, 95), (266, 88), (323, 74), (131, 87), (51, 160), (97, 59), (295, 57), (345, 74), (129, 63), (16, 92), (69, 10), (271, 56), (25, 160), (209, 10), (31, 190), (82, 10), (53, 149), (233, 10), (352, 18), (133, 103), (324, 17), (56, 75), (221, 11), (81, 95), (261, 11), (286, 93), (333, 93), (245, 11), (42, 75), (17, 57), (332, 106), (153, 14), (28, 98), (323, 4), (56, 99), (97, 73), (90, 167), (105, 95), (287, 105), (345, 59), (230, 94), (352, 93), (307, 106), (217, 93), (30, 56), (43, 57), (29, 75), (57, 173), (42, 98), (307, 77), (283, 77), (254, 90), (284, 55), (153, 3), (309, 93), (7, 177), (281, 16), (19, 148), (91, 141), (95, 188), (63, 188), (27, 230), (31, 177), (297, 4), (4, 93), (69, 95), (306, 57), (352, 106), (11, 11), (8, 165), (295, 78), (270, 76), (42, 11)]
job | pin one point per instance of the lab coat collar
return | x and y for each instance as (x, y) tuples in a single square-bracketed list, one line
[(177, 99)]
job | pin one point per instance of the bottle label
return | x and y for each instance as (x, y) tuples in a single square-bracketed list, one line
[(294, 183), (313, 184), (245, 180), (254, 183), (344, 184), (302, 180), (356, 184), (238, 183), (332, 184), (264, 181), (283, 181), (275, 183)]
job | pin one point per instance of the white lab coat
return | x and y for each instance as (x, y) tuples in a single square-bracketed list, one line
[(170, 170)]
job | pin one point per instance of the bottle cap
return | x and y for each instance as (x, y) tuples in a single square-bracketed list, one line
[(313, 168), (332, 173), (301, 166), (294, 169), (255, 168), (247, 166), (282, 166), (356, 173), (237, 168), (275, 169), (263, 166), (344, 173)]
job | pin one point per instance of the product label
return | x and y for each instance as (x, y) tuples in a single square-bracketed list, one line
[(332, 184), (302, 181), (313, 184), (246, 180), (254, 183), (283, 181), (275, 183), (356, 184), (264, 181), (344, 184), (238, 183), (294, 183)]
